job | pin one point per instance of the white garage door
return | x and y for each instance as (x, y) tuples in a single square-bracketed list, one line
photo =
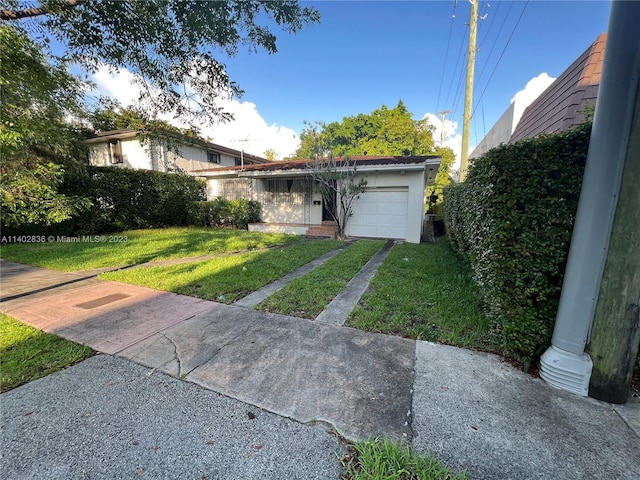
[(380, 214)]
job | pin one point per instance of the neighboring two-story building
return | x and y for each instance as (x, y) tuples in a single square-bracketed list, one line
[(123, 148)]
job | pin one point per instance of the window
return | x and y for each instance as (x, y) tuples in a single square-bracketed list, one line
[(213, 157), (115, 152), (285, 191), (234, 189), (238, 162)]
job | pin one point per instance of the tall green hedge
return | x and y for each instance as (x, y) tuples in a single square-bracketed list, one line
[(128, 199), (512, 220), (224, 213)]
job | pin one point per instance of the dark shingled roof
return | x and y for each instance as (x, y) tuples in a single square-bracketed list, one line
[(563, 103)]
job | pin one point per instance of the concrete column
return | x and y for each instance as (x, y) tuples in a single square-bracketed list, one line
[(565, 364)]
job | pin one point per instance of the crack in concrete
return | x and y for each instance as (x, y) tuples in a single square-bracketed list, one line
[(217, 351), (176, 357), (411, 414)]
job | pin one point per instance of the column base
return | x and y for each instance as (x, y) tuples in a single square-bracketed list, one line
[(567, 371)]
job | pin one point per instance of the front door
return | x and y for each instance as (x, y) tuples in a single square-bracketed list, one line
[(329, 207)]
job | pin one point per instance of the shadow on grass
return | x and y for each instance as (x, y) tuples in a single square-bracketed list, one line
[(36, 355)]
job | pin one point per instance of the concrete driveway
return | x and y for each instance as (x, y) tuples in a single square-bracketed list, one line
[(472, 410)]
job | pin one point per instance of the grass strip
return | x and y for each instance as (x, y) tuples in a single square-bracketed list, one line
[(307, 296), (424, 292), (382, 458), (138, 246), (226, 278), (28, 353)]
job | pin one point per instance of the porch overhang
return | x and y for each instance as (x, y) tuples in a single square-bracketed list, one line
[(429, 166)]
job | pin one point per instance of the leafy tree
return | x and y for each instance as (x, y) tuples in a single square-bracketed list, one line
[(37, 142), (384, 131), (271, 154), (442, 177), (170, 45), (339, 183)]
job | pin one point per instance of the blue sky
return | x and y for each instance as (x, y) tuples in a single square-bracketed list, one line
[(367, 53)]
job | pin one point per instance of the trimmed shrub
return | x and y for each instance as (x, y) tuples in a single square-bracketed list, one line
[(129, 199), (224, 213), (512, 220)]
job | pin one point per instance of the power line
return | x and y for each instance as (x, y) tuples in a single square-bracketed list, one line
[(493, 17), (502, 54), (495, 41), (446, 55), (455, 69)]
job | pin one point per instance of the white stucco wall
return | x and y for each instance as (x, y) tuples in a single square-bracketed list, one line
[(415, 182), (156, 157), (134, 155), (281, 213), (500, 133)]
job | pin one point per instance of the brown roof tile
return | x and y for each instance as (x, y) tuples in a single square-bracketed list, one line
[(562, 104)]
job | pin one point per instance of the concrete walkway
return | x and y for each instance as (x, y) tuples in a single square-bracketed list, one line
[(470, 409), (340, 307)]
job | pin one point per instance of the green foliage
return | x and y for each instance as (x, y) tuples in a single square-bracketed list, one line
[(129, 199), (442, 178), (30, 196), (383, 132), (29, 354), (170, 45), (339, 180), (512, 220), (309, 295), (424, 292), (383, 459), (132, 247), (226, 278), (37, 144), (224, 213)]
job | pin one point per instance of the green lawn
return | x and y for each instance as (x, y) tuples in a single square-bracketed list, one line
[(226, 278), (309, 295), (27, 353), (424, 292), (139, 246)]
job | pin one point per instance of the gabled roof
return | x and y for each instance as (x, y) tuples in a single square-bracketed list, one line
[(562, 105), (127, 133), (302, 166)]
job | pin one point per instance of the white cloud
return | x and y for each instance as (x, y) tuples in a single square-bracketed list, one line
[(452, 138), (528, 94), (119, 86), (248, 124)]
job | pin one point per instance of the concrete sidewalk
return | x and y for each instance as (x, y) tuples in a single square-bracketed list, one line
[(470, 409)]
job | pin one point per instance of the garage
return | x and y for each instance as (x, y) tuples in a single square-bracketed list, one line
[(380, 213)]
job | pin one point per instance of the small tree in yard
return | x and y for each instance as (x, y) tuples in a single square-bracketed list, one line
[(340, 187)]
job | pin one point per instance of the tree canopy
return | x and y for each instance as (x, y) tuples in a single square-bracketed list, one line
[(385, 131), (37, 142), (171, 46)]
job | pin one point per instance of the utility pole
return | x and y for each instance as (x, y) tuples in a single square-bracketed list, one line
[(468, 91), (443, 114)]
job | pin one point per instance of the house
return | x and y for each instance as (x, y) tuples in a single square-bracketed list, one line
[(123, 148), (391, 207), (563, 104)]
